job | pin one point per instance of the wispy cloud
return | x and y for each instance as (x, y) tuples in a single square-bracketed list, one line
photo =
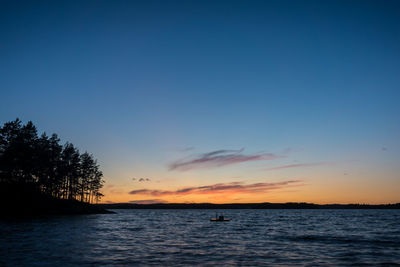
[(219, 158), (141, 179), (231, 188), (298, 165), (148, 201)]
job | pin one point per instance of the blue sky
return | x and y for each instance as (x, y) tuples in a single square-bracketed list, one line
[(137, 83)]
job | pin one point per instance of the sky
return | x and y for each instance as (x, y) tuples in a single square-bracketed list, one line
[(214, 101)]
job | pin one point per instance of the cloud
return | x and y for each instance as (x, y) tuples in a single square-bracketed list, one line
[(298, 165), (148, 201), (219, 158), (231, 188), (141, 179)]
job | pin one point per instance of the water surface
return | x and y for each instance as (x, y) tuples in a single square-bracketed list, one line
[(187, 237)]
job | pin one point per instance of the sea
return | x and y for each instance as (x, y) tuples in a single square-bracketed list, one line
[(138, 237)]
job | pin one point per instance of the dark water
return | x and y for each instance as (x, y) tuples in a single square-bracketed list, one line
[(187, 237)]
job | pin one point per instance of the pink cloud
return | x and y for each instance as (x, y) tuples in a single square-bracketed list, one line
[(298, 165), (219, 158), (232, 188)]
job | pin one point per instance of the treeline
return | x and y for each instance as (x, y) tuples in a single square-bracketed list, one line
[(43, 165)]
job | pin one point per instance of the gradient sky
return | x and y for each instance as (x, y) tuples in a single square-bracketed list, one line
[(214, 101)]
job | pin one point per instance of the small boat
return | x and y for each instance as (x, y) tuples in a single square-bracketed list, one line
[(219, 218)]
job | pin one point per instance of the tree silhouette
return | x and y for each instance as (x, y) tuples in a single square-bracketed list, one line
[(43, 165)]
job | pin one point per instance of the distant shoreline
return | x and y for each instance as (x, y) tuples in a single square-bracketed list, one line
[(290, 205)]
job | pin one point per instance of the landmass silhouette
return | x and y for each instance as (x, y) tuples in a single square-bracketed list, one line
[(38, 175)]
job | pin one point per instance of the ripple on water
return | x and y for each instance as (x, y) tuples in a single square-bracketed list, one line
[(168, 237)]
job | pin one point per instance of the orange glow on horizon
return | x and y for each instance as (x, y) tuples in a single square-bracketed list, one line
[(298, 194)]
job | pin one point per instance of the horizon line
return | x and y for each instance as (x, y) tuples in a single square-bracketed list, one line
[(246, 203)]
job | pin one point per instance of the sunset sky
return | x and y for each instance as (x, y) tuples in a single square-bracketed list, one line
[(214, 101)]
